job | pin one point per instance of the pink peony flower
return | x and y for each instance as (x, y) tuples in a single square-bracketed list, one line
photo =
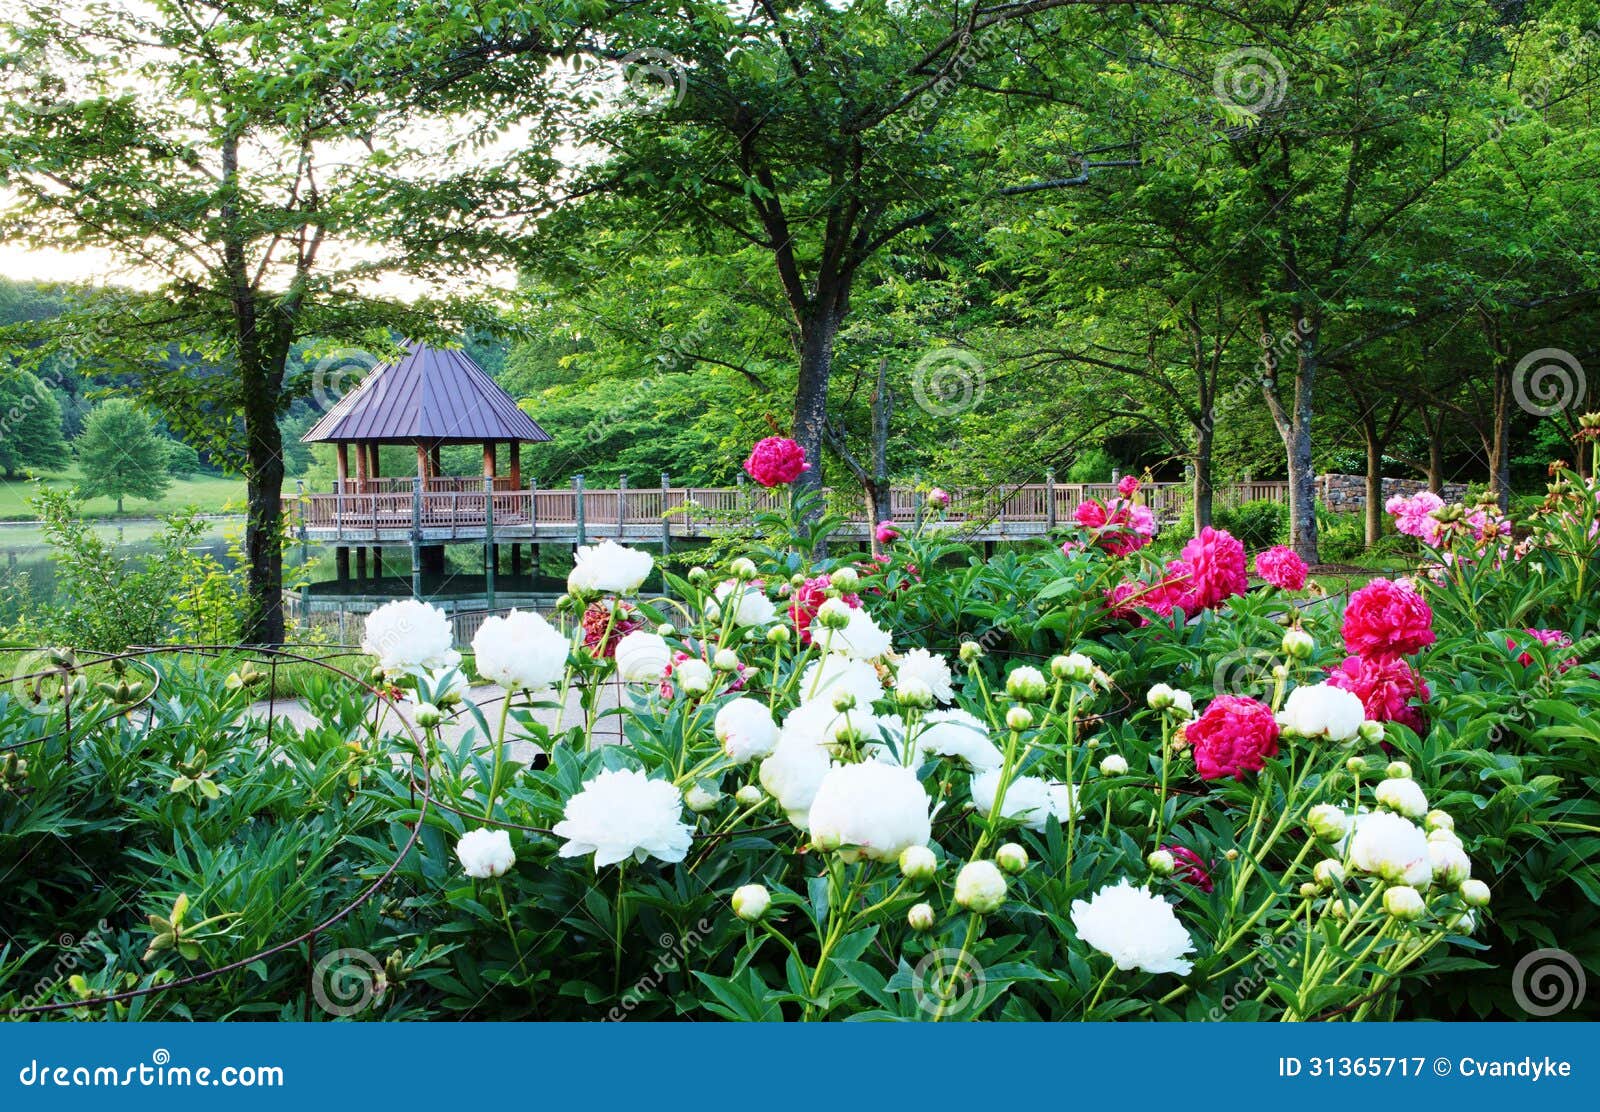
[(1555, 637), (1090, 514), (1413, 516), (1385, 618), (886, 532), (938, 498), (1234, 736), (1216, 567), (1128, 486), (776, 461), (1281, 566), (601, 632), (1385, 686), (1119, 527), (1191, 867), (807, 600)]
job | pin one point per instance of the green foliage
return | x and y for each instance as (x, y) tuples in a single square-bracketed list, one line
[(1259, 524), (30, 424), (121, 456)]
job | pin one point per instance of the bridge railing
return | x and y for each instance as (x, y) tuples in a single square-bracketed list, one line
[(461, 505)]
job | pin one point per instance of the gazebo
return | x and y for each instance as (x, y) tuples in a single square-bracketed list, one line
[(428, 398)]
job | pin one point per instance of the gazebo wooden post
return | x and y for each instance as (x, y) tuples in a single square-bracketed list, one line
[(577, 508), (666, 522), (490, 553), (416, 538), (341, 552)]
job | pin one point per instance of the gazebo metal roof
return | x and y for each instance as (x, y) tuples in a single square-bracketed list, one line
[(430, 395)]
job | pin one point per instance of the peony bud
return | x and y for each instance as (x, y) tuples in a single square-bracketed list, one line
[(920, 917), (699, 799), (1438, 820), (1161, 862), (1113, 764), (1299, 644), (1475, 893), (725, 660), (698, 575), (1026, 684), (1074, 666), (748, 796), (665, 630), (1327, 822), (834, 613), (980, 887), (844, 701), (750, 902), (1450, 863), (1355, 765), (1328, 873), (1019, 718), (1012, 858), (1371, 732), (1449, 837), (1398, 770), (1404, 902), (1308, 890), (970, 651), (1160, 697), (918, 863), (844, 579), (778, 635), (428, 716), (1402, 795), (694, 676), (743, 568), (913, 693)]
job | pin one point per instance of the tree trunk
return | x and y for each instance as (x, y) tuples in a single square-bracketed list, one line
[(1433, 426), (119, 505), (1294, 427), (1204, 492), (1500, 444), (263, 551), (1373, 509), (817, 335)]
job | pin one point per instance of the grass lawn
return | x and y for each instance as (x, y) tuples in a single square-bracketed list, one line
[(206, 493)]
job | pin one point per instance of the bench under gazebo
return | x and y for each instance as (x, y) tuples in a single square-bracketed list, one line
[(427, 399)]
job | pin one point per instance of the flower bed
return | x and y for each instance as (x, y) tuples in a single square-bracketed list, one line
[(1077, 783)]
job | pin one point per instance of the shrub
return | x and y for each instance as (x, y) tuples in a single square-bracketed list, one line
[(1259, 524)]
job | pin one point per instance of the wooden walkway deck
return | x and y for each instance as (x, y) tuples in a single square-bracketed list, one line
[(456, 510)]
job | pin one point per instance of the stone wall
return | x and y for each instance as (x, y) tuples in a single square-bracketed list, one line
[(1348, 493)]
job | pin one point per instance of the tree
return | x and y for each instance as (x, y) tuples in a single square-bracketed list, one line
[(121, 455), (30, 424), (244, 160)]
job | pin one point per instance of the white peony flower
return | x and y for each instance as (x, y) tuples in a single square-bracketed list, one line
[(520, 650), (1029, 800), (1322, 710), (834, 673), (875, 808), (621, 814), (1391, 847), (1450, 863), (1134, 928), (485, 853), (1113, 764), (409, 638), (980, 887), (861, 638), (819, 723), (792, 774), (693, 675), (745, 730), (1403, 795), (930, 668), (754, 608), (955, 733), (642, 657), (609, 568)]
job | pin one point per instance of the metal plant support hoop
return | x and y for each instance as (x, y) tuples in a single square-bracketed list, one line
[(270, 657)]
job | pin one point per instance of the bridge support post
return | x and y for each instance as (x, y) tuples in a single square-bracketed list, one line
[(489, 553), (577, 508), (300, 513), (666, 522), (377, 562), (341, 562), (361, 561), (1050, 500), (416, 537)]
